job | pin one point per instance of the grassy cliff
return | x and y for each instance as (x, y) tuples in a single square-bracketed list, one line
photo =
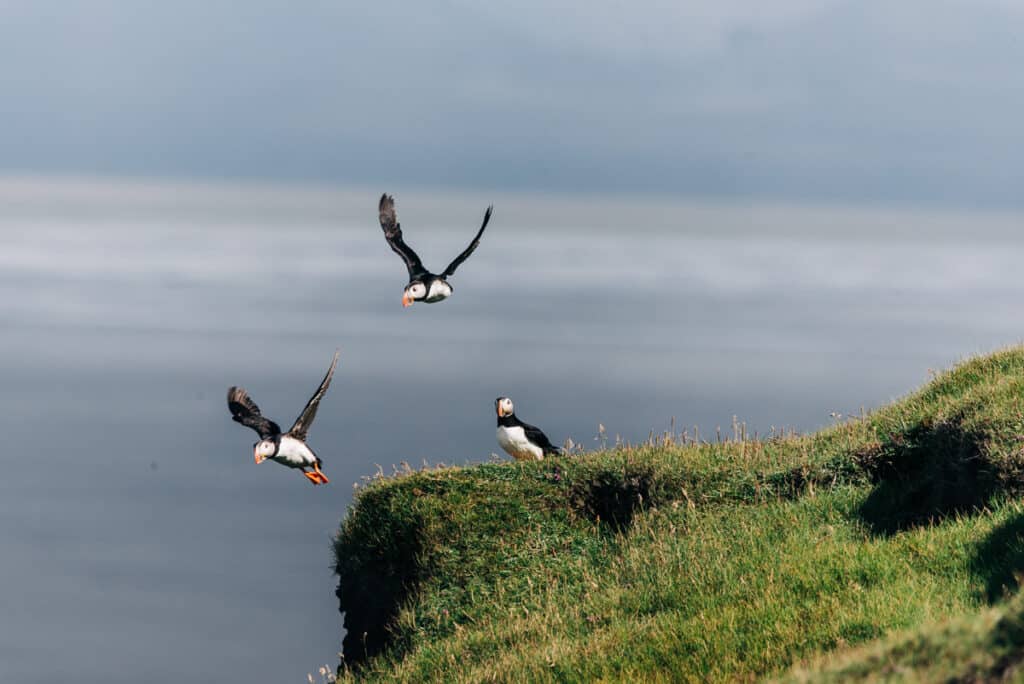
[(678, 561)]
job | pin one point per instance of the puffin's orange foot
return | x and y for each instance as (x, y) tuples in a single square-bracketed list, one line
[(312, 477), (323, 478)]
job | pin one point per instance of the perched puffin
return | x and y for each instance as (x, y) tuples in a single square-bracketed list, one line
[(289, 448), (423, 286), (520, 440)]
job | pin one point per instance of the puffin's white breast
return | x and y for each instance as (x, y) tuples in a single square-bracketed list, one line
[(513, 440), (294, 453), (438, 290)]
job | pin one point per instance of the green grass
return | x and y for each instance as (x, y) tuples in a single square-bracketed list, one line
[(984, 647), (671, 561)]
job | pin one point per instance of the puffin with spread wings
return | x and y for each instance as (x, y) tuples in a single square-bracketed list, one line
[(287, 448), (423, 286)]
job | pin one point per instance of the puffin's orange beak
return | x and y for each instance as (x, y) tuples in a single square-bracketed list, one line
[(259, 459), (501, 411), (406, 300)]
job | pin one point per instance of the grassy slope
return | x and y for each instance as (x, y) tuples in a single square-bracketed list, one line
[(983, 647), (692, 562)]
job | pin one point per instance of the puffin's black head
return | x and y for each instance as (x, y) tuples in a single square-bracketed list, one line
[(504, 407), (263, 449), (414, 292)]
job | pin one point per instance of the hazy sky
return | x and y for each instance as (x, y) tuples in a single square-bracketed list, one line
[(918, 101)]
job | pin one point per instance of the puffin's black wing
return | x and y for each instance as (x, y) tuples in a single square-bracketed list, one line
[(537, 437), (303, 422), (469, 250), (245, 411), (393, 234)]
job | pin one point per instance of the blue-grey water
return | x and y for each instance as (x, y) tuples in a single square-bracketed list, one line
[(141, 543)]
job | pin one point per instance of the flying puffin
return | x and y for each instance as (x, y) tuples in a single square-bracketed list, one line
[(287, 448), (520, 440), (423, 286)]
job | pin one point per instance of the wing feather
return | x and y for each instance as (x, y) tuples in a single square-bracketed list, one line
[(393, 234), (301, 427), (535, 435), (469, 250), (245, 411)]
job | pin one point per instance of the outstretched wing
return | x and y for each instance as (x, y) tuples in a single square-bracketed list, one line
[(469, 250), (393, 234), (245, 411), (535, 435), (302, 423)]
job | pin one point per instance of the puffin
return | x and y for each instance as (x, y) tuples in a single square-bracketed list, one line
[(289, 448), (520, 440), (423, 286)]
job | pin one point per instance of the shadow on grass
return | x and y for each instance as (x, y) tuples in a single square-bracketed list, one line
[(999, 559), (611, 498), (374, 582), (923, 476)]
